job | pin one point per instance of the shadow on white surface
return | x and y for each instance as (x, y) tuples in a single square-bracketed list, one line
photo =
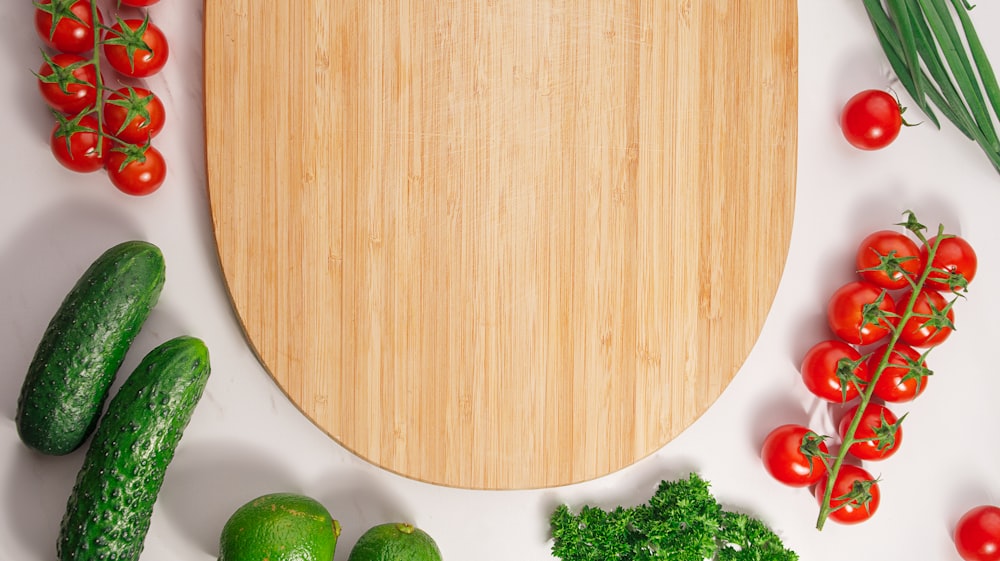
[(357, 499), (209, 479), (38, 487)]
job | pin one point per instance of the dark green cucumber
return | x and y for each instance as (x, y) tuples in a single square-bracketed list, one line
[(84, 345), (108, 512)]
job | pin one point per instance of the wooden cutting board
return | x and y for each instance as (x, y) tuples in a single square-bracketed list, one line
[(501, 243)]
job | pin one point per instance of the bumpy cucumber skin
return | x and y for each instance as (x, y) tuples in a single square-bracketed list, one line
[(84, 345), (108, 512)]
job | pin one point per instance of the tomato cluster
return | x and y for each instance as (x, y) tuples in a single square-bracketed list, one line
[(100, 126), (883, 324)]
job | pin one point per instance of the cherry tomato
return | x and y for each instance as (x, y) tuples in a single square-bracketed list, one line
[(143, 62), (926, 331), (792, 454), (871, 120), (77, 96), (138, 177), (832, 369), (139, 3), (904, 377), (855, 313), (79, 153), (879, 424), (67, 35), (888, 259), (855, 496), (954, 256), (133, 115), (977, 534)]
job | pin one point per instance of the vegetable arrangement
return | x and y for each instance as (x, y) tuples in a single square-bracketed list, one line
[(98, 125), (942, 63), (109, 510), (682, 521), (902, 301)]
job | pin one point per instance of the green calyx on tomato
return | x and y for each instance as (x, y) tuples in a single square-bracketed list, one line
[(135, 115), (877, 434), (795, 455), (855, 497), (136, 48), (834, 371), (67, 25)]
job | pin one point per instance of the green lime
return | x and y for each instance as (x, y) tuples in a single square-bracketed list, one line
[(395, 542), (279, 527)]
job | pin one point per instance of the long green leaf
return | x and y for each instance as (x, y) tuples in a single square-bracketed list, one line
[(959, 112), (900, 14), (943, 27), (889, 40), (982, 61)]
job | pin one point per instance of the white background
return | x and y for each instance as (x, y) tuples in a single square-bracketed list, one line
[(247, 439)]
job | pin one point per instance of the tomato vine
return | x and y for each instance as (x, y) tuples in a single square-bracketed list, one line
[(837, 371), (73, 84)]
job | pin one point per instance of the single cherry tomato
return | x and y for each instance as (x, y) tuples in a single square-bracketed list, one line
[(74, 144), (954, 264), (67, 83), (879, 432), (977, 534), (793, 455), (855, 496), (136, 48), (67, 35), (833, 370), (871, 120), (933, 322), (134, 115), (888, 259), (136, 170), (860, 313), (904, 377)]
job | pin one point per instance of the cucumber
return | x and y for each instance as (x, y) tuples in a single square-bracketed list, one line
[(108, 512), (84, 345)]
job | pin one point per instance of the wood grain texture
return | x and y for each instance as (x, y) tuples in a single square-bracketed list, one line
[(504, 243)]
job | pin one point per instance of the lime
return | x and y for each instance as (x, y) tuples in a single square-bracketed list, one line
[(279, 527), (395, 542)]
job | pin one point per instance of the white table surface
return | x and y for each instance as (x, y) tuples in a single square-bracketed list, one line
[(247, 439)]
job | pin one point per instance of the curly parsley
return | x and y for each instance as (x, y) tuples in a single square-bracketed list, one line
[(681, 522)]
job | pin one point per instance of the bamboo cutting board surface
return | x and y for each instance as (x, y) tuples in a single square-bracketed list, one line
[(501, 243)]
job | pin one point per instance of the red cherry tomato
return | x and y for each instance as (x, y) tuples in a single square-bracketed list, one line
[(904, 377), (791, 454), (77, 97), (138, 177), (855, 496), (831, 370), (871, 120), (143, 62), (926, 331), (977, 534), (67, 35), (77, 149), (134, 115), (855, 313), (888, 259), (879, 432), (954, 256)]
